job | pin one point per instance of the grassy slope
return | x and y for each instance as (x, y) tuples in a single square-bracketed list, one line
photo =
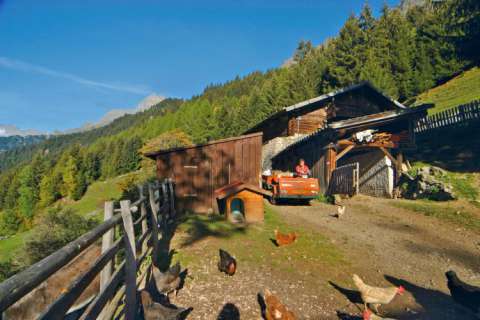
[(91, 202), (463, 212), (253, 245), (459, 90)]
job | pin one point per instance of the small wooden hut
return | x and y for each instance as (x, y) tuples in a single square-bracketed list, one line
[(197, 171)]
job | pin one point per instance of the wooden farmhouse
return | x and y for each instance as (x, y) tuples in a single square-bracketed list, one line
[(197, 171), (354, 137)]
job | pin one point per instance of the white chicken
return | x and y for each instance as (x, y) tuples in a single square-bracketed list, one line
[(340, 212), (376, 296)]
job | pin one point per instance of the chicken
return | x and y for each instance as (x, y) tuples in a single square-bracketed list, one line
[(227, 263), (156, 311), (374, 295), (169, 281), (463, 293), (275, 310), (340, 212), (369, 315), (285, 239)]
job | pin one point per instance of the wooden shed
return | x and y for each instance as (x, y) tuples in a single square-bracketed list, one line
[(197, 171), (242, 202)]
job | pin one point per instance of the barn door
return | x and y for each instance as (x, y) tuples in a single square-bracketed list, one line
[(197, 189), (344, 180)]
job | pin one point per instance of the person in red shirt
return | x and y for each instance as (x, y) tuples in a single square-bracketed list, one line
[(302, 169)]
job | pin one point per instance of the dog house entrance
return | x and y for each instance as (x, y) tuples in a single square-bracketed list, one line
[(237, 210)]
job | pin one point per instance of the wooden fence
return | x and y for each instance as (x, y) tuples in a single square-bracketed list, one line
[(457, 116), (118, 282), (344, 180)]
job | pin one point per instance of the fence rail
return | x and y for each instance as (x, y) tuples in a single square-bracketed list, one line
[(455, 116), (116, 281), (344, 180)]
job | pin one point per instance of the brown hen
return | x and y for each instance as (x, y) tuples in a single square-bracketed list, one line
[(285, 239), (275, 310)]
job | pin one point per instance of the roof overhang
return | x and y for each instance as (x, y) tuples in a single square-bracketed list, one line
[(154, 154), (311, 103), (380, 118), (236, 187)]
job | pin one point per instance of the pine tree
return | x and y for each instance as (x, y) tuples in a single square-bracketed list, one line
[(28, 194)]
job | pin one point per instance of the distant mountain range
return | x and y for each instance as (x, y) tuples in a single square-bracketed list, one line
[(113, 114), (7, 130), (11, 130), (12, 142)]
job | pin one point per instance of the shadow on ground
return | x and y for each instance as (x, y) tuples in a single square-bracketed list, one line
[(229, 312), (435, 304), (201, 227)]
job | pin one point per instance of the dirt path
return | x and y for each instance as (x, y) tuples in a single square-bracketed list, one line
[(391, 245)]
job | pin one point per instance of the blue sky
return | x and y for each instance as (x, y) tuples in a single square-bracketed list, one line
[(64, 63)]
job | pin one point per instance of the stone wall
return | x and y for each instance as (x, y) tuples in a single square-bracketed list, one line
[(274, 146)]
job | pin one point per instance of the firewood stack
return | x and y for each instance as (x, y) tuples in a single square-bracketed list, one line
[(382, 137)]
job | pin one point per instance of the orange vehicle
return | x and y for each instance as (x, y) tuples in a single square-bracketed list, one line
[(289, 187)]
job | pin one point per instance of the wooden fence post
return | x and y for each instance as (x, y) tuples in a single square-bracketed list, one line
[(107, 242), (165, 201), (171, 198), (130, 262), (143, 213), (154, 208)]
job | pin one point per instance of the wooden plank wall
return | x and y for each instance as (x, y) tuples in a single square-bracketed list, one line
[(307, 123), (198, 171)]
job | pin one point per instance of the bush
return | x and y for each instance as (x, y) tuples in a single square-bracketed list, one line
[(54, 230), (10, 222), (8, 269)]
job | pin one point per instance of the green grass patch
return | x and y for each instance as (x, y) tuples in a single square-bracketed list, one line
[(459, 90), (450, 211), (465, 185), (252, 244), (9, 247), (96, 195)]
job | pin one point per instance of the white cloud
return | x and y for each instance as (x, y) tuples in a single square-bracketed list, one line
[(27, 67)]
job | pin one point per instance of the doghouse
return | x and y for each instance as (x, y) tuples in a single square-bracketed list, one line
[(241, 202)]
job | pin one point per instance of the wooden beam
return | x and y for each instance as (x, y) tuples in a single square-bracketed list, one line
[(130, 262), (344, 152), (154, 209), (385, 151), (107, 242), (15, 287)]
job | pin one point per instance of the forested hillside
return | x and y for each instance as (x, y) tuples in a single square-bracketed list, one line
[(402, 52), (12, 142)]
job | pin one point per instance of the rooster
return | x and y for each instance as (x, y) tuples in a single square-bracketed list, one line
[(374, 295), (227, 263), (340, 212), (169, 281), (369, 315), (285, 239), (463, 293), (275, 310), (156, 311)]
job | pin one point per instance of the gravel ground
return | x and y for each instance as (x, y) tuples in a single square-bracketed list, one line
[(380, 242)]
